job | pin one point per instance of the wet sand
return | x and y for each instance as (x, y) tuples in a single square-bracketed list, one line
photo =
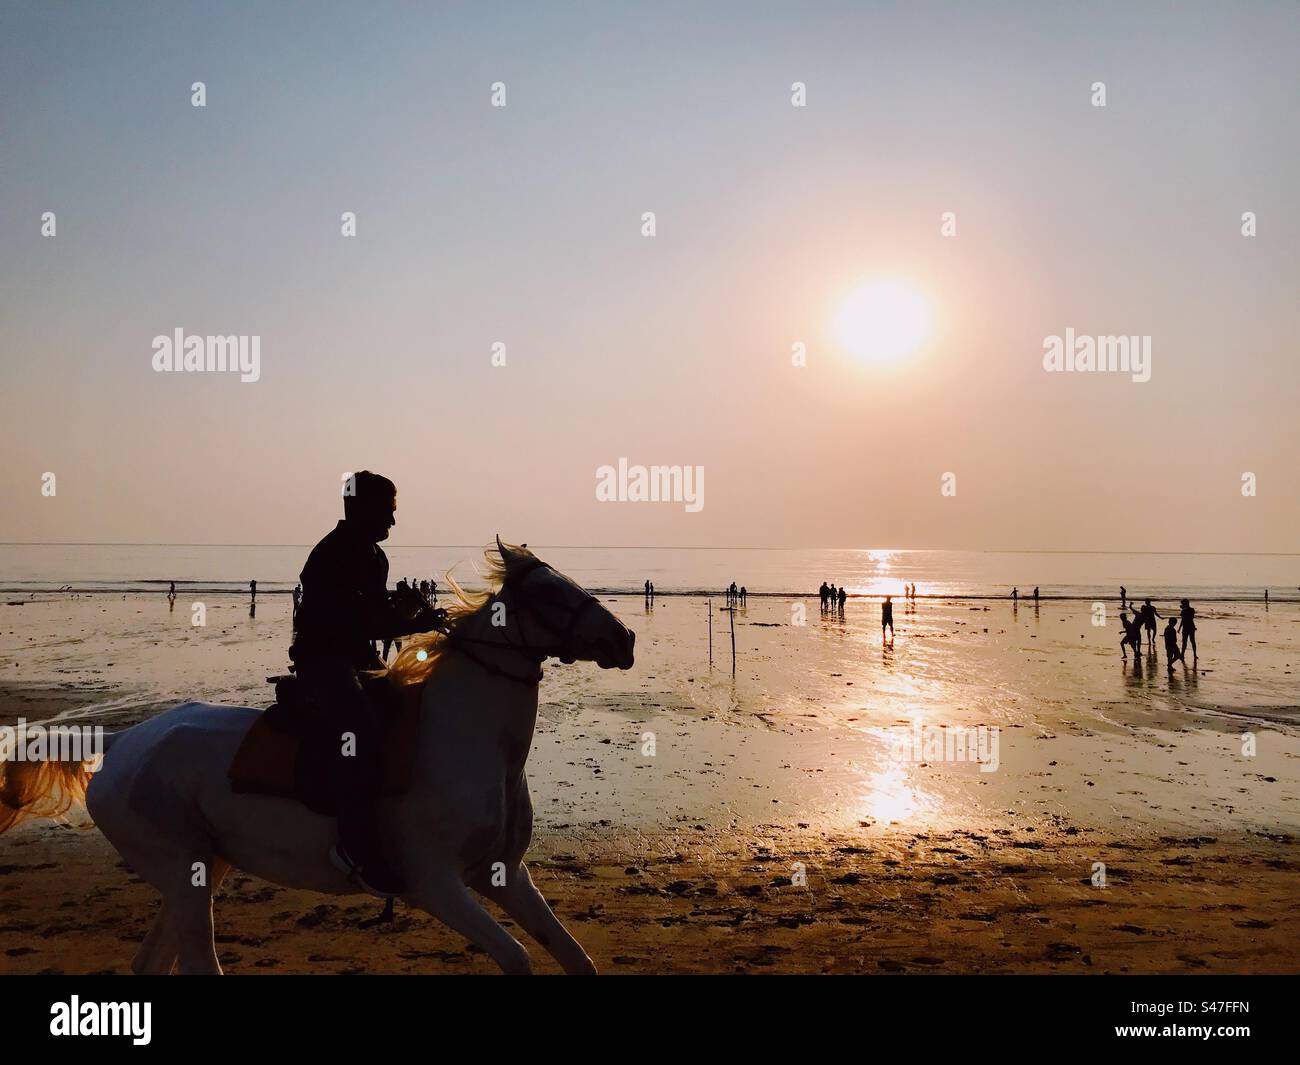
[(687, 861)]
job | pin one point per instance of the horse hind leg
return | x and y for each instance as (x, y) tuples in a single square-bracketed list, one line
[(181, 938), (157, 954)]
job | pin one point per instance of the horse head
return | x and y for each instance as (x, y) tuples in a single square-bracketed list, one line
[(558, 617)]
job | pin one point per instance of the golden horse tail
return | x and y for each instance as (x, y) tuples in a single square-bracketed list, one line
[(40, 788)]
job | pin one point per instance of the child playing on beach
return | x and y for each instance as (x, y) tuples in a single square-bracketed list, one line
[(1172, 654), (1132, 634)]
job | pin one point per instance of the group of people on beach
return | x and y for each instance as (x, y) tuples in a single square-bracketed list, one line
[(737, 596), (1144, 620), (832, 598)]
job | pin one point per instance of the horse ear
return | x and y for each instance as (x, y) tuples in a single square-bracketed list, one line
[(507, 556)]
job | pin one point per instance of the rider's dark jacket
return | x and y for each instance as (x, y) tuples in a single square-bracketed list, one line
[(345, 605)]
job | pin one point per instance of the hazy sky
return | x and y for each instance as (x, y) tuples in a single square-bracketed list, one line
[(522, 225)]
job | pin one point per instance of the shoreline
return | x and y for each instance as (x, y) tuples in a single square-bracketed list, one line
[(636, 593)]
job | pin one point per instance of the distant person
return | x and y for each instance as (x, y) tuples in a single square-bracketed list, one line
[(171, 591), (744, 594), (1035, 595), (252, 591), (843, 597), (834, 596), (1123, 597), (825, 594), (1172, 654), (433, 592), (1265, 596), (652, 589), (1187, 622), (887, 618), (647, 589), (1015, 595), (1149, 614)]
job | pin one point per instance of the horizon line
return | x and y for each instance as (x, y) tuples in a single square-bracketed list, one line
[(673, 547)]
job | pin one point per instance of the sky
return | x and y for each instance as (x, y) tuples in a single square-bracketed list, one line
[(523, 225)]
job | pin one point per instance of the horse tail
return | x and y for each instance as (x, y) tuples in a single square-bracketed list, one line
[(41, 787)]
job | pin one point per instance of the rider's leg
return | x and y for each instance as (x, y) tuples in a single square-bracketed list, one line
[(354, 776)]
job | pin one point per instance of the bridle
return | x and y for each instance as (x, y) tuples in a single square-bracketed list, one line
[(526, 605)]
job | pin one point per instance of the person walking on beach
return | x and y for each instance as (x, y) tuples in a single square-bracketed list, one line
[(1035, 595), (647, 589), (1015, 596), (834, 596), (252, 591), (1123, 597), (825, 594), (345, 607), (842, 599), (297, 600), (744, 596), (887, 619), (1187, 622), (1172, 654)]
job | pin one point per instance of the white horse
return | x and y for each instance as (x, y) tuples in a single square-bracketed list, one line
[(163, 799)]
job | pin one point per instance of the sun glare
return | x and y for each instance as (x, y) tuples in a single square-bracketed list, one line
[(882, 320)]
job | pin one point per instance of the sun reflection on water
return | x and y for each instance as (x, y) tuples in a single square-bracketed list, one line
[(892, 795)]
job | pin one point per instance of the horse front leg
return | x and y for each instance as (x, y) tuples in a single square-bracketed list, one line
[(449, 900), (520, 899)]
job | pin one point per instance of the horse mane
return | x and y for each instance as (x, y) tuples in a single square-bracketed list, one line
[(409, 668)]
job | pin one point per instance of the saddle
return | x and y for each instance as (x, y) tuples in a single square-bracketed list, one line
[(289, 749)]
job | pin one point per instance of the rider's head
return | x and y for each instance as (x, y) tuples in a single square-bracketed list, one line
[(371, 505)]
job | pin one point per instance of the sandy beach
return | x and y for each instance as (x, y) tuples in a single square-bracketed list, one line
[(774, 828)]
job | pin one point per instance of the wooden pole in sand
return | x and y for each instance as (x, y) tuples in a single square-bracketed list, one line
[(709, 604), (732, 615)]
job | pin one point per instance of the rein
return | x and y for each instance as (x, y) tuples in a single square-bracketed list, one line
[(535, 654)]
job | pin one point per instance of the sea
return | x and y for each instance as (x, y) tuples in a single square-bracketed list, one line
[(26, 569)]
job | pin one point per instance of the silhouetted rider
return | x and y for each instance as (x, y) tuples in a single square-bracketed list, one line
[(345, 608)]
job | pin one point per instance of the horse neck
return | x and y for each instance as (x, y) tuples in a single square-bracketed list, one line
[(492, 692)]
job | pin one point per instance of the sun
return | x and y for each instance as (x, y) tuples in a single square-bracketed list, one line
[(882, 320)]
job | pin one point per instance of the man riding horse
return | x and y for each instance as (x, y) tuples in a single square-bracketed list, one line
[(345, 607)]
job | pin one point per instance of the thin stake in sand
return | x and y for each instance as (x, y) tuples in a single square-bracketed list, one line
[(732, 611), (709, 604)]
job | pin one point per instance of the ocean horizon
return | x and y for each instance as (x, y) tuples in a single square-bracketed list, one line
[(864, 572)]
